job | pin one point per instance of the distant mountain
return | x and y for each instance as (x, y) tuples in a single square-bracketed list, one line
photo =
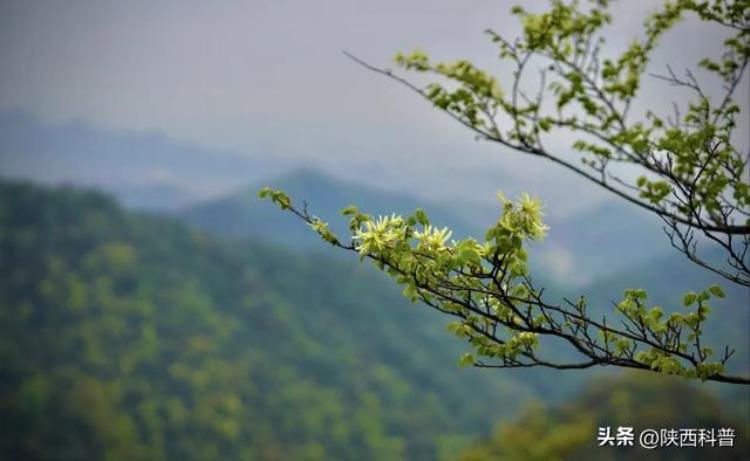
[(150, 171), (144, 169), (243, 214)]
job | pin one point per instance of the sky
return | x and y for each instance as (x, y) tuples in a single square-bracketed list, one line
[(267, 79)]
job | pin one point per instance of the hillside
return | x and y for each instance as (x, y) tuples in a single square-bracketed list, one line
[(125, 336), (638, 400)]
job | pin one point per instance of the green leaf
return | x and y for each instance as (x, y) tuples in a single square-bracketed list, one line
[(350, 210), (717, 291), (264, 192), (421, 217), (689, 298), (466, 360)]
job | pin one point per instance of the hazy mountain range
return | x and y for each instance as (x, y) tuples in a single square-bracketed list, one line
[(216, 190)]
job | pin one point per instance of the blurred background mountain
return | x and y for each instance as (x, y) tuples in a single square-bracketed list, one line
[(215, 190)]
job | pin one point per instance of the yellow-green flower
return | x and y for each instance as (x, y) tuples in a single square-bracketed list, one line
[(376, 236), (432, 237)]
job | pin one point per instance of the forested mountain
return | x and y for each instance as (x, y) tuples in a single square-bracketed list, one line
[(126, 336), (638, 400)]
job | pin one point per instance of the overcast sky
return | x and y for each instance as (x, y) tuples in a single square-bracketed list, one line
[(267, 78)]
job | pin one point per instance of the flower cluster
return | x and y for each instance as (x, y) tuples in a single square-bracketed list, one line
[(524, 218), (376, 236), (433, 238)]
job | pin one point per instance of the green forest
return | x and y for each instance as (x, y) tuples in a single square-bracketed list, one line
[(127, 336), (134, 337)]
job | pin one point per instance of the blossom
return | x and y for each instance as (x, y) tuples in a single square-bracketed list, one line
[(432, 237), (524, 217), (376, 236)]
